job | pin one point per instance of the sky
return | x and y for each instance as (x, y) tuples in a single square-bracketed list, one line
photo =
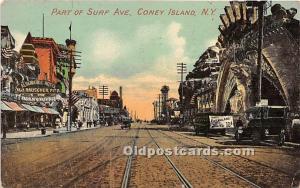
[(137, 52)]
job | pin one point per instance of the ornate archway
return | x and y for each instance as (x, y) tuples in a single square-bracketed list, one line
[(236, 84)]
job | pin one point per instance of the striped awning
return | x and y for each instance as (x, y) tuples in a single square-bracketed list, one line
[(14, 106), (30, 108), (50, 111), (5, 107), (54, 111), (46, 110), (38, 109)]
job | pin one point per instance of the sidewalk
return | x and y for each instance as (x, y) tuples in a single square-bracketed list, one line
[(37, 133)]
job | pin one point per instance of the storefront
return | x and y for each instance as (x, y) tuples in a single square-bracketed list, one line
[(23, 116)]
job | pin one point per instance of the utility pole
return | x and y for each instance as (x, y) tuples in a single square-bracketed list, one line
[(72, 66), (154, 110), (181, 69), (159, 107), (261, 6), (103, 90), (259, 48)]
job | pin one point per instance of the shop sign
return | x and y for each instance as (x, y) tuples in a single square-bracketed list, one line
[(37, 87), (38, 99), (19, 97)]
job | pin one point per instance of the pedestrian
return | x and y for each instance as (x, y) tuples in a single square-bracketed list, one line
[(42, 121), (79, 124), (4, 126)]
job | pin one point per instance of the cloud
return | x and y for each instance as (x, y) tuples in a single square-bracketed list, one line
[(211, 42), (141, 64), (19, 38), (166, 64), (106, 47)]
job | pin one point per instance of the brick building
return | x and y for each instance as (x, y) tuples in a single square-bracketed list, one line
[(47, 51)]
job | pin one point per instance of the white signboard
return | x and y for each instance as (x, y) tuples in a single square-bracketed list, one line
[(221, 122)]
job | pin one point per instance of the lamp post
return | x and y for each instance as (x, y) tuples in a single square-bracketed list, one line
[(159, 108), (72, 66), (181, 69)]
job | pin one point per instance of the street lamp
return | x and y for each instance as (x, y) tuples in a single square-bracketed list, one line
[(181, 69), (72, 67)]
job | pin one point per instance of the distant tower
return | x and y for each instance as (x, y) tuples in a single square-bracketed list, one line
[(164, 94), (121, 97)]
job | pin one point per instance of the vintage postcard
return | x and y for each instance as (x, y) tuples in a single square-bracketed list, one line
[(120, 93)]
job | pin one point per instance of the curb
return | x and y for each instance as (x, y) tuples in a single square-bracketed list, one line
[(52, 134)]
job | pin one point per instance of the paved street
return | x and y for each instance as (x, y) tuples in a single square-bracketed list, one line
[(95, 158)]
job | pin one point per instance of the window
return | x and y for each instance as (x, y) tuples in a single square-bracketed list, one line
[(276, 112)]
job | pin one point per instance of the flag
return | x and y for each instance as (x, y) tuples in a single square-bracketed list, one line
[(70, 27), (6, 52), (75, 98)]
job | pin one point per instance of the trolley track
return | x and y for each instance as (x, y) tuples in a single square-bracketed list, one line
[(82, 154), (76, 168), (217, 163), (127, 172), (102, 165), (239, 156), (185, 182), (251, 181)]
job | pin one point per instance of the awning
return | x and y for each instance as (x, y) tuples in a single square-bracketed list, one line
[(50, 111), (30, 108), (5, 107), (54, 111), (14, 106), (38, 109), (46, 110)]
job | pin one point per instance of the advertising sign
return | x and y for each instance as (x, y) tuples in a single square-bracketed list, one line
[(220, 122), (36, 87)]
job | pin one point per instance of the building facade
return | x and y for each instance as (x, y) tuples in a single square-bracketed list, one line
[(224, 79)]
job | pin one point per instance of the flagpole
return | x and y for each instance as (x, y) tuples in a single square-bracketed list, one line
[(70, 28), (70, 85), (43, 25)]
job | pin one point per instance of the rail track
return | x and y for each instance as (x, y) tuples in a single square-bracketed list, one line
[(230, 170), (103, 164), (215, 163), (185, 182), (127, 172), (79, 156), (249, 160), (87, 155)]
